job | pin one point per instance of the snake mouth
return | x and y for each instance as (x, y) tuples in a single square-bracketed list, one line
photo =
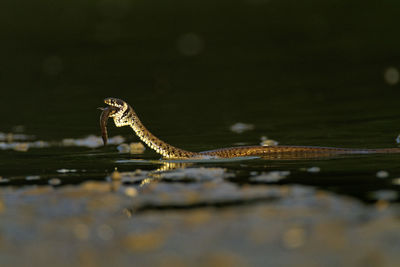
[(114, 102)]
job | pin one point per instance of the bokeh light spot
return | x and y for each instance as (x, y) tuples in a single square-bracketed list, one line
[(391, 76)]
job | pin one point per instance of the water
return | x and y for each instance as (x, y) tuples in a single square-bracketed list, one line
[(303, 73)]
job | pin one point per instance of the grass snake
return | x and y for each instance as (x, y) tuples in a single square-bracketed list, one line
[(124, 115)]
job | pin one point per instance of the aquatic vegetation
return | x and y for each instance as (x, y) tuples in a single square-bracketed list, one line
[(11, 137), (270, 177), (196, 174), (23, 146), (132, 148), (54, 181), (32, 177), (66, 170), (241, 127), (265, 141), (23, 142), (314, 169), (386, 195), (91, 141)]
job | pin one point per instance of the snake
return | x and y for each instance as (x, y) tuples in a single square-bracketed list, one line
[(124, 115)]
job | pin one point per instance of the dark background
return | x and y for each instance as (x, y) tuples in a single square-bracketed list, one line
[(304, 72)]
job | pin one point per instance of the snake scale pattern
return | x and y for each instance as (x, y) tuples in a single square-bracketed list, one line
[(124, 115)]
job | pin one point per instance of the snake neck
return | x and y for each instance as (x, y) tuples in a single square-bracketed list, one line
[(161, 147)]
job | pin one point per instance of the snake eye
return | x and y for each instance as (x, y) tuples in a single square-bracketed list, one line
[(108, 101)]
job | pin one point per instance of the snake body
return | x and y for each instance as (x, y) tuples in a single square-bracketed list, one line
[(124, 115)]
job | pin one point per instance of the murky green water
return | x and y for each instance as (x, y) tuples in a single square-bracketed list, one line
[(302, 73)]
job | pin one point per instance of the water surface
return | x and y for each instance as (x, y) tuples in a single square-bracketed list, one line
[(302, 73)]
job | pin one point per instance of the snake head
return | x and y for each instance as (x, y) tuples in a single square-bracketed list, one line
[(120, 105), (121, 111), (117, 109)]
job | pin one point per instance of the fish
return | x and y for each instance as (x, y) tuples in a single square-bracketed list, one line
[(105, 114)]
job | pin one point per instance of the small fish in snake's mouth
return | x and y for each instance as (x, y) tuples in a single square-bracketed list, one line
[(105, 114)]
